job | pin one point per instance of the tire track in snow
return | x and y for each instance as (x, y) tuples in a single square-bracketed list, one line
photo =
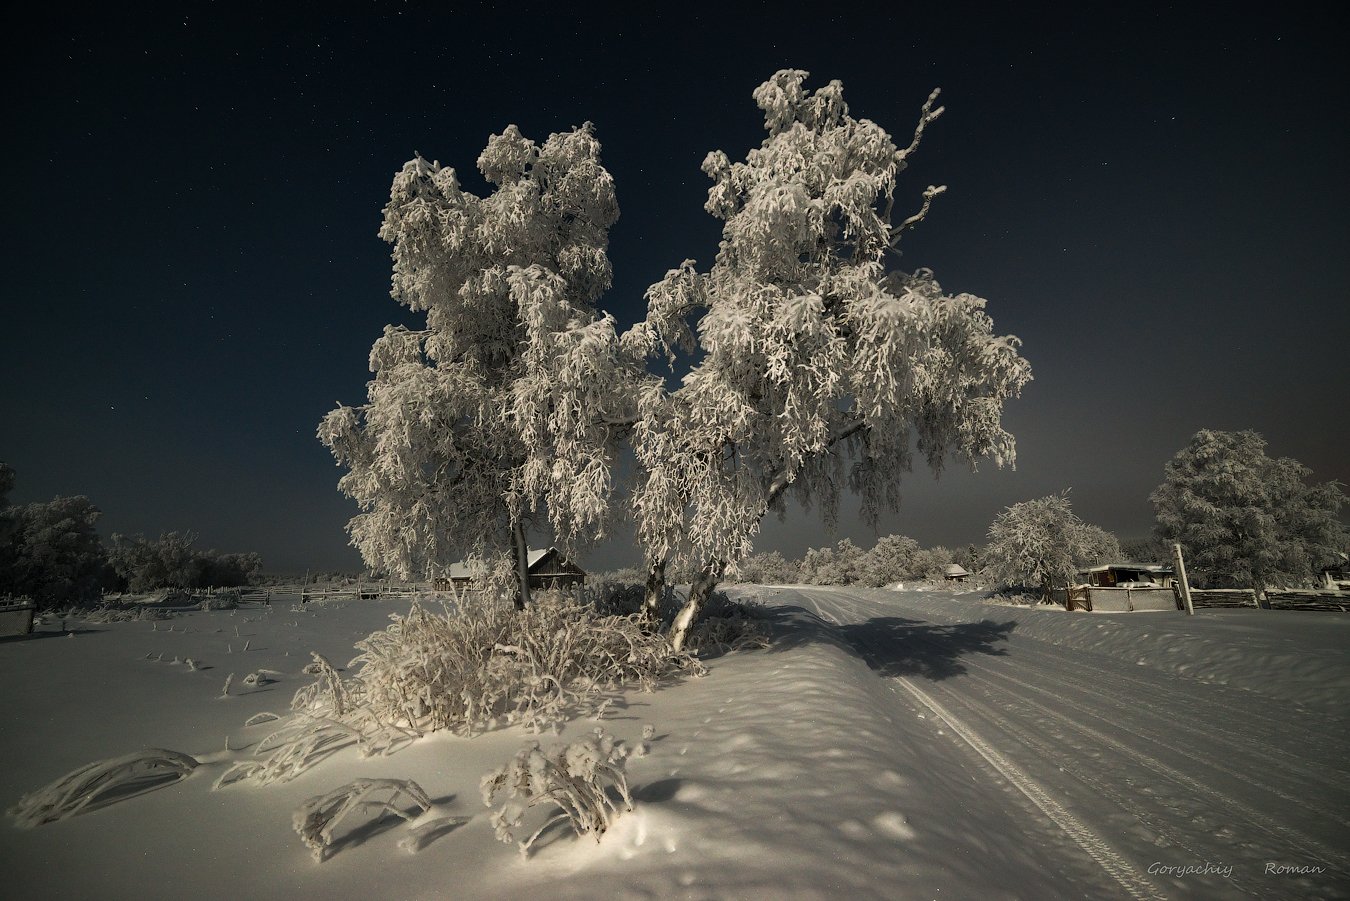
[(1178, 700), (1095, 846), (1121, 670), (1234, 711), (1296, 839), (1156, 820), (1158, 767), (829, 608)]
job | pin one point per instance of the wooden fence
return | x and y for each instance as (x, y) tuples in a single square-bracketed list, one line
[(1329, 601)]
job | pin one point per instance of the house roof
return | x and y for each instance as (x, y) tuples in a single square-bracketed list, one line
[(1144, 567), (955, 569)]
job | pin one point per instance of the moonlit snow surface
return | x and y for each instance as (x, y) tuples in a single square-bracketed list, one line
[(889, 745)]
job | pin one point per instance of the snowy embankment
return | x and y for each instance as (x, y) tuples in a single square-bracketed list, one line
[(791, 772), (1291, 655)]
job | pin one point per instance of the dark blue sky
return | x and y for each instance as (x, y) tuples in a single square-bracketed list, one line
[(1154, 201)]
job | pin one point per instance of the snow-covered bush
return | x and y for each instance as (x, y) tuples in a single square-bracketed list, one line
[(117, 778), (451, 671), (618, 593), (723, 624), (766, 569), (316, 818), (443, 670), (221, 600), (584, 780)]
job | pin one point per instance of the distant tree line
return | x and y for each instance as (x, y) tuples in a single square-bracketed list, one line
[(173, 562), (50, 552), (894, 558), (1243, 520)]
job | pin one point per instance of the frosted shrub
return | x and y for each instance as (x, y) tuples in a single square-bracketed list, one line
[(221, 600), (114, 779), (584, 780), (452, 671), (619, 592), (317, 817), (430, 671)]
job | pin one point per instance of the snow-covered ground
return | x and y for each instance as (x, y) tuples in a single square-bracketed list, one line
[(889, 745)]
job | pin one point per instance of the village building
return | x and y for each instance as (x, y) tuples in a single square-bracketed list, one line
[(547, 567), (1122, 588), (955, 572)]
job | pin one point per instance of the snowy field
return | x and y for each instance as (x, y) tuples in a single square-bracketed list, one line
[(889, 745)]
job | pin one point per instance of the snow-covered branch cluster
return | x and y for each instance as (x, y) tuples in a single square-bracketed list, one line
[(315, 819), (584, 780), (89, 785)]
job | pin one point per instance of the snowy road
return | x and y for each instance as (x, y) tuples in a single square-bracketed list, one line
[(1129, 766)]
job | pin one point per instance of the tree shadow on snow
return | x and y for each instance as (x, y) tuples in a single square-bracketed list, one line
[(893, 645)]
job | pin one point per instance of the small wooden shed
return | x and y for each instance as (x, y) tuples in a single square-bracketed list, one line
[(955, 572)]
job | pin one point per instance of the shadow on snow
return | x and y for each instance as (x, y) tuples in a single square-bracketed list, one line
[(893, 645)]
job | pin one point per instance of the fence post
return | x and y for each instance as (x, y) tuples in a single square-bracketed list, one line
[(1181, 579)]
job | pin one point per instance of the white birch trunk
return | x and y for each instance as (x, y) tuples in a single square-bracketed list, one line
[(702, 587)]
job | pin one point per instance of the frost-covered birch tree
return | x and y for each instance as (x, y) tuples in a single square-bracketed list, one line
[(1043, 542), (1245, 519), (494, 414), (822, 369)]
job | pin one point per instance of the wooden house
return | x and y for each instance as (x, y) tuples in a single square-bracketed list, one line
[(1122, 588), (955, 572), (548, 568)]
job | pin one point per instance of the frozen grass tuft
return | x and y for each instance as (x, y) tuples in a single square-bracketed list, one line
[(102, 782), (124, 613), (316, 818), (584, 780)]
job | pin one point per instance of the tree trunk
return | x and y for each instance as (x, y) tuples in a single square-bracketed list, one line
[(522, 565), (656, 590), (702, 587)]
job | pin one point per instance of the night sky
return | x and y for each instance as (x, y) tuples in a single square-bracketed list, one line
[(1156, 203)]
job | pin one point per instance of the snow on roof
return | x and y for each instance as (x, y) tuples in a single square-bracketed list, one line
[(461, 571), (1146, 567), (955, 569)]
